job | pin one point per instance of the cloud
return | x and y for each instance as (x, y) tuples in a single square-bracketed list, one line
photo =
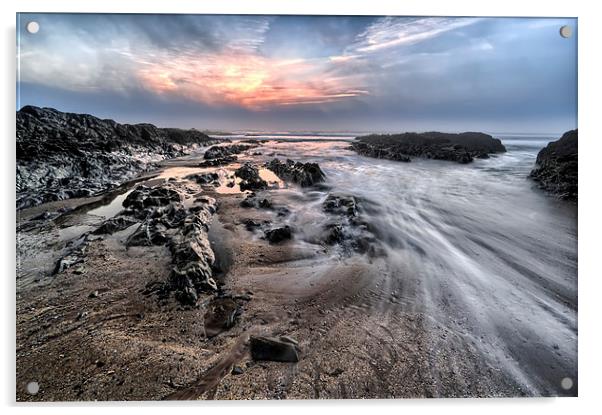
[(390, 32), (334, 69)]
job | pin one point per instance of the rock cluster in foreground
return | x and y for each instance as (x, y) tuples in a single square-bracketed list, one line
[(556, 166), (461, 148), (63, 155)]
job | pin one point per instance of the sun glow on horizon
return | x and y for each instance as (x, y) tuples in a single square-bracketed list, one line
[(247, 80)]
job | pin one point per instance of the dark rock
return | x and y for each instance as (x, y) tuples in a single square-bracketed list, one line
[(237, 370), (72, 258), (93, 294), (205, 178), (220, 152), (64, 155), (218, 161), (187, 296), (252, 201), (251, 224), (165, 220), (191, 251), (335, 233), (44, 216), (143, 197), (278, 235), (270, 348), (113, 225), (265, 204), (461, 148), (340, 204), (556, 167), (220, 316), (303, 174), (250, 178)]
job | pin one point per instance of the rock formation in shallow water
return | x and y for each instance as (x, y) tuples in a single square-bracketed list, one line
[(303, 174), (250, 178), (63, 155), (461, 148), (556, 166), (221, 152)]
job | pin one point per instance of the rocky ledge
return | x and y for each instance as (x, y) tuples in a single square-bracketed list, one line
[(63, 155), (303, 174), (461, 148), (556, 166)]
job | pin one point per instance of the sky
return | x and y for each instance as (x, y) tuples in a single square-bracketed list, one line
[(304, 73)]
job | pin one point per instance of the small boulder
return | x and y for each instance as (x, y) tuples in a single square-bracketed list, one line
[(220, 316), (278, 235), (250, 178), (271, 348)]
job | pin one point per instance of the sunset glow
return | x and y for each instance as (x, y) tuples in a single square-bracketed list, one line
[(297, 72), (249, 81)]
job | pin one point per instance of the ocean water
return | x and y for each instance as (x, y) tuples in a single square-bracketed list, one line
[(484, 251)]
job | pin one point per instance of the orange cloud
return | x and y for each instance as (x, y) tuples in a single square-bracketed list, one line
[(247, 80)]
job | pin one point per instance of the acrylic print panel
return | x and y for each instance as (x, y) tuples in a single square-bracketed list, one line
[(295, 207)]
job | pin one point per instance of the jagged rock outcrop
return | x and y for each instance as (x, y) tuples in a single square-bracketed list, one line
[(221, 152), (64, 155), (461, 148), (556, 166), (346, 227), (250, 178), (164, 220), (303, 174)]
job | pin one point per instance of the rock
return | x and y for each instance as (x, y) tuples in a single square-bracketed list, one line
[(113, 225), (218, 161), (461, 148), (337, 372), (556, 167), (265, 204), (278, 235), (340, 204), (220, 316), (165, 220), (347, 229), (74, 257), (93, 294), (237, 370), (79, 271), (334, 233), (289, 340), (252, 201), (82, 315), (191, 252), (64, 155), (220, 152), (251, 224), (250, 178), (303, 174), (270, 348), (142, 200), (187, 296), (205, 178)]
